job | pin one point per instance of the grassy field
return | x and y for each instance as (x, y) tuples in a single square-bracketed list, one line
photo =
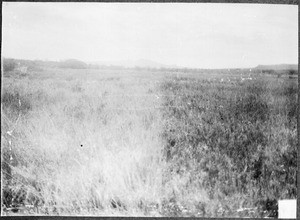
[(146, 143)]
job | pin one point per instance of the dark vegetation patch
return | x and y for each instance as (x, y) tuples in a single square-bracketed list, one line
[(15, 103), (231, 134), (9, 65)]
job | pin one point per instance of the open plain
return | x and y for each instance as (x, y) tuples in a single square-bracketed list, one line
[(137, 142)]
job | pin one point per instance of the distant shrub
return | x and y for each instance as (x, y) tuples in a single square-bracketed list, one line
[(293, 72), (9, 65), (269, 71)]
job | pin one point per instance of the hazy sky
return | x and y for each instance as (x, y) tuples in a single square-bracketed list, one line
[(193, 35)]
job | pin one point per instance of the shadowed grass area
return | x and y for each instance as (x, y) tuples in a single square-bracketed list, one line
[(235, 140)]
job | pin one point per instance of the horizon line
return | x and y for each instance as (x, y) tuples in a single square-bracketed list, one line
[(167, 66)]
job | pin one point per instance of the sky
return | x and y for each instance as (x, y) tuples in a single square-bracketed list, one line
[(197, 35)]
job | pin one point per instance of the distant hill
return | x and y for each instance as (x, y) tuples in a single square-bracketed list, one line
[(143, 63), (10, 64), (278, 67), (73, 64)]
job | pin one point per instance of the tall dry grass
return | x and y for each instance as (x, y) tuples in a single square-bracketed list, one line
[(85, 144)]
